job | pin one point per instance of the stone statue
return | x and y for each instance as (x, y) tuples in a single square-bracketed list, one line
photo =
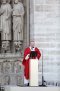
[(5, 14), (5, 46), (18, 13)]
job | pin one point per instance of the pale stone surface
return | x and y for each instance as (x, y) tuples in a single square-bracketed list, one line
[(47, 35), (32, 89), (45, 30), (10, 72)]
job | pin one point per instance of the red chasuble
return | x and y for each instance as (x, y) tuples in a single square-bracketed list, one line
[(26, 62)]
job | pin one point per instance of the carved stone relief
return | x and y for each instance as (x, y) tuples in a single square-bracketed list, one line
[(11, 24), (13, 30)]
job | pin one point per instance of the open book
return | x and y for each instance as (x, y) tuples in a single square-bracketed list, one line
[(33, 54)]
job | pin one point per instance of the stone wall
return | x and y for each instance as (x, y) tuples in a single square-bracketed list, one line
[(41, 20), (11, 73), (47, 38)]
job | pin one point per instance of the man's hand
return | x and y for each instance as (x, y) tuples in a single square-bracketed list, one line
[(27, 57)]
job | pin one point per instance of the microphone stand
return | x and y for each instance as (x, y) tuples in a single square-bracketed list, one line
[(43, 81)]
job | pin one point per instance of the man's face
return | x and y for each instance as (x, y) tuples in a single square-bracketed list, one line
[(32, 44)]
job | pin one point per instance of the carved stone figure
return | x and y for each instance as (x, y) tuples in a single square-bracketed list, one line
[(5, 14), (18, 13), (5, 46)]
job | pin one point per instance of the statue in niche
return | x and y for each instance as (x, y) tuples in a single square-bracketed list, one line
[(5, 13), (18, 14)]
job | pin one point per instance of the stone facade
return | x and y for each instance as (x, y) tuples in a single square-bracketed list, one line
[(41, 23), (11, 73), (47, 38)]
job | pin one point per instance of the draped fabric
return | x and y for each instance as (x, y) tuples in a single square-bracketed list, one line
[(26, 62), (6, 21), (18, 12)]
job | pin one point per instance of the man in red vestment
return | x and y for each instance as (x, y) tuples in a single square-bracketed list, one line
[(26, 60)]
